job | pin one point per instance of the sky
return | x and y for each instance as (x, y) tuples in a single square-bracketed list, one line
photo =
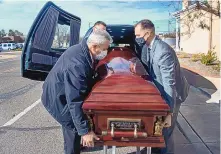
[(19, 15)]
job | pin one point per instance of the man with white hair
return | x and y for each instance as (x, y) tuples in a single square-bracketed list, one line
[(68, 84)]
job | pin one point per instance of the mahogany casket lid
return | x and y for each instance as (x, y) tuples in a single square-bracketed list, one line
[(125, 92)]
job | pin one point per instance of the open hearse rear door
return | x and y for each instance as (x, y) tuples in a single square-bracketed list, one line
[(48, 38)]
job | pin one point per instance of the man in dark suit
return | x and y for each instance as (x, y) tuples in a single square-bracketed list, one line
[(99, 25), (68, 84), (161, 63)]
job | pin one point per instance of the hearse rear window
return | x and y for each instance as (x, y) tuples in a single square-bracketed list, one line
[(62, 37)]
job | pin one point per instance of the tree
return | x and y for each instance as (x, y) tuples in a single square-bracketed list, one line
[(62, 36), (2, 33), (14, 33), (11, 32), (194, 18), (17, 33)]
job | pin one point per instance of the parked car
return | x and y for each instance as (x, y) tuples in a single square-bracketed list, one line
[(41, 51), (8, 46), (19, 45), (1, 49)]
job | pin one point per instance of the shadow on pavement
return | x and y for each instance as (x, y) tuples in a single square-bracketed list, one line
[(203, 85)]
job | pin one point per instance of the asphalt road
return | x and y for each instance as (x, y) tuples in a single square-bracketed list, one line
[(33, 131)]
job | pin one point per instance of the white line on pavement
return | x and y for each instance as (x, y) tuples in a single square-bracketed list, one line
[(7, 61), (10, 122)]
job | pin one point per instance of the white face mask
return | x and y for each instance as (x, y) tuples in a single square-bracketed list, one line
[(101, 55)]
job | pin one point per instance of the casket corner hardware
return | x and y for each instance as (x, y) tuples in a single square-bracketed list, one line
[(158, 127)]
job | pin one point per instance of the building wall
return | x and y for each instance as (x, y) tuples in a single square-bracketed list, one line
[(193, 40), (216, 35), (198, 40)]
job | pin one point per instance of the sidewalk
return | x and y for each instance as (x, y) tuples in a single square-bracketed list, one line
[(199, 118), (199, 126)]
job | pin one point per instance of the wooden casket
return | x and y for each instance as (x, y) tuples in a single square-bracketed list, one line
[(125, 109)]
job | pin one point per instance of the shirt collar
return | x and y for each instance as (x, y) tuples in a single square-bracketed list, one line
[(151, 44)]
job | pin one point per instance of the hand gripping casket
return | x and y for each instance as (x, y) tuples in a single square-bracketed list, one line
[(125, 109)]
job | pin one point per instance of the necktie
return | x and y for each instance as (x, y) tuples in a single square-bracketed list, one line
[(149, 60)]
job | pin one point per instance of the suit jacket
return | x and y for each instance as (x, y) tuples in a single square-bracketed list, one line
[(163, 67), (66, 87)]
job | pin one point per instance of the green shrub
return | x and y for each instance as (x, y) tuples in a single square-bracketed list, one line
[(17, 49), (183, 55), (196, 57), (209, 58), (217, 67)]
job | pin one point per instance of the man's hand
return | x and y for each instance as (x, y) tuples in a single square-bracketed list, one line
[(132, 68), (88, 139), (167, 121), (110, 71)]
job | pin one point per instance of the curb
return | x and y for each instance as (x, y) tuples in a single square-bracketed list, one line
[(192, 70), (193, 78), (203, 92)]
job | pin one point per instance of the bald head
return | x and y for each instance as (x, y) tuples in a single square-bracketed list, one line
[(145, 24), (100, 25)]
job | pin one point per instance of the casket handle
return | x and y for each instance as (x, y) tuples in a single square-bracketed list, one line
[(135, 131), (134, 134), (112, 130)]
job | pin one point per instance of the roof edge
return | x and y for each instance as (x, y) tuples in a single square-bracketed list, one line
[(194, 6)]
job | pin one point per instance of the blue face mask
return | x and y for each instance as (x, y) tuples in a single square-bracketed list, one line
[(140, 41)]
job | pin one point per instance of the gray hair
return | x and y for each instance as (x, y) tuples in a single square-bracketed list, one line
[(99, 37)]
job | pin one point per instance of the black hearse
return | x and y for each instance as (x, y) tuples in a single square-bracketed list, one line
[(44, 46)]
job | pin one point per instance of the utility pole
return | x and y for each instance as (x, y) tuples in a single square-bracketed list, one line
[(168, 26), (89, 24)]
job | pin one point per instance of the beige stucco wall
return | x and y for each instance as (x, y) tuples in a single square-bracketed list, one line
[(216, 35), (198, 39)]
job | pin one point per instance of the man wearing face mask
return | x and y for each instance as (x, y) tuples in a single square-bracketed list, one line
[(99, 25), (161, 63), (68, 84)]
